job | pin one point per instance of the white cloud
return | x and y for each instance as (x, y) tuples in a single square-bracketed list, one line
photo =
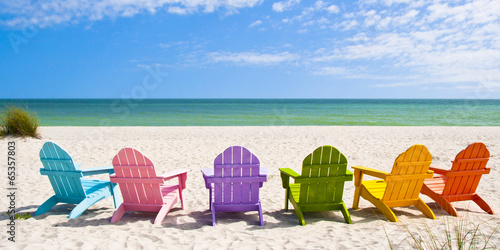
[(435, 43), (284, 5), (308, 13), (256, 23), (391, 2), (173, 44), (331, 71), (477, 12), (39, 13), (177, 10), (346, 25), (253, 58), (435, 56), (317, 6), (410, 16), (333, 9)]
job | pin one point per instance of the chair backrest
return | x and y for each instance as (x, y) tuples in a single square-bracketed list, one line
[(136, 176), (323, 176), (468, 167), (236, 177), (64, 177), (408, 174)]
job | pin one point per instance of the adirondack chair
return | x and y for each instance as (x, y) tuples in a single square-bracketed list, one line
[(399, 188), (460, 183), (320, 186), (234, 182), (68, 184), (142, 189)]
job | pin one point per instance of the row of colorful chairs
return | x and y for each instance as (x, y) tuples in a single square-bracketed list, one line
[(237, 176)]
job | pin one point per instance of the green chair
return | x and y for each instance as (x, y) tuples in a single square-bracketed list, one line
[(321, 185)]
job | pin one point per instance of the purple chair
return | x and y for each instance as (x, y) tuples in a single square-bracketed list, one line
[(234, 182)]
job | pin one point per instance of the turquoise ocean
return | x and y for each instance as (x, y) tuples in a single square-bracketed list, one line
[(261, 112)]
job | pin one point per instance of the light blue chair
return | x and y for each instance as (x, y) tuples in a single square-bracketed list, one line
[(69, 185)]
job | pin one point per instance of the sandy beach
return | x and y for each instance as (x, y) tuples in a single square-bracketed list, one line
[(276, 147)]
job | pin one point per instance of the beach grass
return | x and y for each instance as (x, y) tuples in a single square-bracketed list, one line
[(19, 122), (458, 233)]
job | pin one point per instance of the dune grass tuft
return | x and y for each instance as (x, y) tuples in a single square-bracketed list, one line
[(460, 234), (18, 122)]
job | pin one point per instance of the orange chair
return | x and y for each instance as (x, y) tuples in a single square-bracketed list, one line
[(460, 183)]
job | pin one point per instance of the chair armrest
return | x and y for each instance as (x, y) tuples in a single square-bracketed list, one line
[(98, 170), (371, 171), (347, 172), (180, 174), (360, 170), (263, 171), (289, 172), (173, 174), (207, 173), (286, 173), (438, 170)]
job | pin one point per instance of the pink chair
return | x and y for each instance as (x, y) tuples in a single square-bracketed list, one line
[(141, 188)]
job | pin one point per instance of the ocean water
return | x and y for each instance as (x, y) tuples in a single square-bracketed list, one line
[(261, 112)]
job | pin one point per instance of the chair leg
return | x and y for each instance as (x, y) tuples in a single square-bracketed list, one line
[(347, 216), (358, 179), (80, 208), (482, 204), (298, 211), (115, 191), (162, 213), (210, 198), (426, 210), (444, 203), (300, 216), (355, 203), (286, 198), (164, 210), (118, 214), (386, 211), (213, 215), (181, 198), (260, 215), (46, 206)]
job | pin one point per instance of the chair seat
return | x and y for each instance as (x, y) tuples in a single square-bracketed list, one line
[(376, 188), (94, 187), (169, 192), (436, 184), (295, 189)]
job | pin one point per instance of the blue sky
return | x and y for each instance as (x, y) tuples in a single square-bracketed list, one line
[(250, 49)]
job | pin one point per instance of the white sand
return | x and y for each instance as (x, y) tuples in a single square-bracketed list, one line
[(196, 147)]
